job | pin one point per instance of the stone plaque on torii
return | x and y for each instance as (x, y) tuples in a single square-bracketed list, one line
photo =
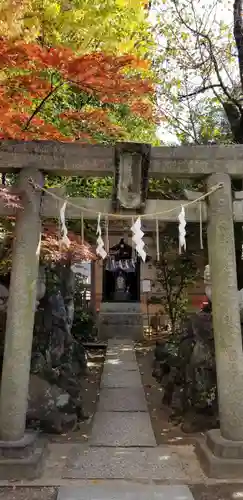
[(130, 188), (215, 164)]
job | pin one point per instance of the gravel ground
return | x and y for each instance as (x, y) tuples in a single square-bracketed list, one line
[(217, 492), (28, 493), (165, 432), (90, 394), (199, 491)]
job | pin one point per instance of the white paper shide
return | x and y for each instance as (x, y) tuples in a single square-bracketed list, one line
[(182, 230), (65, 240), (100, 250), (138, 239)]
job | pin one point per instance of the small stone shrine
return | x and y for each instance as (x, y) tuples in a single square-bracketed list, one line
[(120, 311)]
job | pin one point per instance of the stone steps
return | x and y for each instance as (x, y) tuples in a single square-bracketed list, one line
[(122, 307), (123, 319), (128, 318)]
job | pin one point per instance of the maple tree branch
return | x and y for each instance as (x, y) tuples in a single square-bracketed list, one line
[(38, 108), (200, 91)]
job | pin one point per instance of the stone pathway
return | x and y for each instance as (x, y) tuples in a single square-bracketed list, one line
[(119, 491), (122, 446)]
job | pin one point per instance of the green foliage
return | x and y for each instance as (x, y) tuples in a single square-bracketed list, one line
[(107, 25), (127, 125), (174, 274), (88, 28), (101, 187), (116, 26), (208, 123), (83, 324)]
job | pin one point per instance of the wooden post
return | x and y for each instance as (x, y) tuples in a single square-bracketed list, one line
[(225, 303), (21, 311), (93, 288)]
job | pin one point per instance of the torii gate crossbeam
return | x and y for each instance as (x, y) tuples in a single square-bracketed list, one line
[(216, 164)]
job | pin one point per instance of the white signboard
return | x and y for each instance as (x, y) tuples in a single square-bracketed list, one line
[(82, 268), (146, 286)]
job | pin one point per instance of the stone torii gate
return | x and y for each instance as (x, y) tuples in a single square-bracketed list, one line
[(222, 452)]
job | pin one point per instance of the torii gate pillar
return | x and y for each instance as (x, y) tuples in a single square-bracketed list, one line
[(222, 447), (15, 443)]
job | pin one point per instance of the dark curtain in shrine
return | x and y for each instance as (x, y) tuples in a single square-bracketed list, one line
[(121, 262), (132, 283)]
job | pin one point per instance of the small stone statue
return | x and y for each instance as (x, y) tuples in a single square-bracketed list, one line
[(121, 293), (120, 283)]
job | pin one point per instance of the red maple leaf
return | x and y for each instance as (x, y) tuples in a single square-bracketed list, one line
[(108, 78)]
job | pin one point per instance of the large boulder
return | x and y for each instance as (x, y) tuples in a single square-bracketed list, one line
[(185, 367), (58, 361), (56, 356), (49, 407)]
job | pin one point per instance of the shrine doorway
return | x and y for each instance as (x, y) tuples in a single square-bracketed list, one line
[(121, 274)]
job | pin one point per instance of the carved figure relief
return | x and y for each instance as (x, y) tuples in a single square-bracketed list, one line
[(129, 184), (131, 176)]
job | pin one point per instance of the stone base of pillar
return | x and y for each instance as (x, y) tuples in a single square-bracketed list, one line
[(220, 458), (23, 459)]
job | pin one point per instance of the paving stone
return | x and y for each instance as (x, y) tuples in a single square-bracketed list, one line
[(124, 463), (125, 346), (117, 356), (119, 365), (122, 429), (120, 349), (120, 343), (115, 490), (122, 399), (121, 379)]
